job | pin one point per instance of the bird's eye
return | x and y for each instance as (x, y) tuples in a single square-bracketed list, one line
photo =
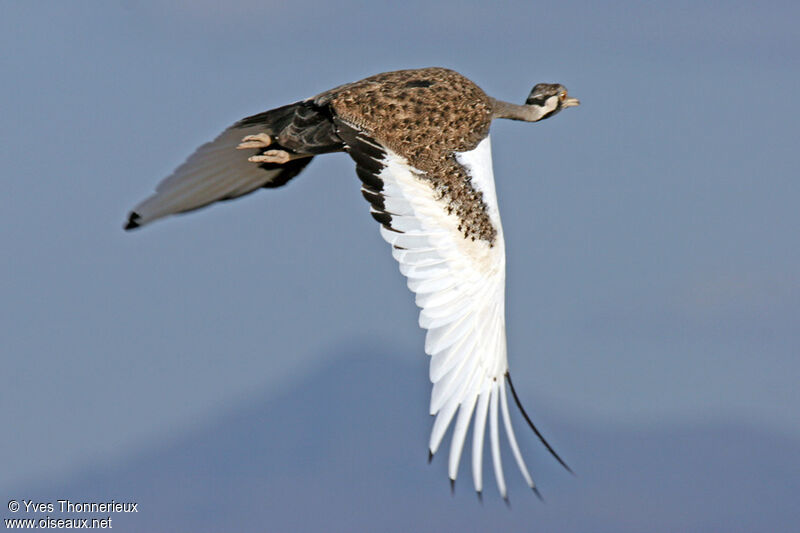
[(562, 96)]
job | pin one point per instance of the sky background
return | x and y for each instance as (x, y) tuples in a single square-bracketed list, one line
[(652, 233)]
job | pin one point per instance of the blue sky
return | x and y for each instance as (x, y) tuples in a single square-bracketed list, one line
[(334, 462), (653, 258)]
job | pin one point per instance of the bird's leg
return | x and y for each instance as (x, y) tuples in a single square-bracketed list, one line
[(261, 140), (275, 156)]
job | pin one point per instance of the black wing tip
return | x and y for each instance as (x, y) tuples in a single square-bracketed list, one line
[(507, 501), (533, 427), (430, 456), (480, 496), (133, 221), (538, 494), (452, 487)]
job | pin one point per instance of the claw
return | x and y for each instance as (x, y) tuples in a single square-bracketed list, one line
[(260, 140), (271, 156)]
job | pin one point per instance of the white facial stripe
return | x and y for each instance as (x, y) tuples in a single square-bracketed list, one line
[(550, 105)]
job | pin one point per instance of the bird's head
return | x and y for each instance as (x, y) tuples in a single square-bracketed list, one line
[(550, 98)]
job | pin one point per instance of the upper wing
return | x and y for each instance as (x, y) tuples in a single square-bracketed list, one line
[(460, 286), (220, 169)]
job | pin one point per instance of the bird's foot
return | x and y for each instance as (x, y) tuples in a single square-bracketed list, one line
[(260, 140), (273, 156)]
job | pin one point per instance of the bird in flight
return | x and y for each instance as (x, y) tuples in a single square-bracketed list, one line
[(420, 141)]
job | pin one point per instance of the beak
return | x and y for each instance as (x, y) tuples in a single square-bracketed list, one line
[(570, 102)]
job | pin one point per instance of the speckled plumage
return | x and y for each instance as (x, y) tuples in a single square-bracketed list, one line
[(425, 115)]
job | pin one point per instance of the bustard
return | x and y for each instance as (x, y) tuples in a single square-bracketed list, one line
[(420, 140)]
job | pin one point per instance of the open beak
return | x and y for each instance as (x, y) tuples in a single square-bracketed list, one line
[(570, 102)]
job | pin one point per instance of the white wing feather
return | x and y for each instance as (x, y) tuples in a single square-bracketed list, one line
[(460, 286)]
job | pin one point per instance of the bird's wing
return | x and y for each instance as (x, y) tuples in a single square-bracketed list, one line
[(460, 286), (219, 171)]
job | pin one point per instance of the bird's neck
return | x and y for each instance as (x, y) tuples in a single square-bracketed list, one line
[(528, 113)]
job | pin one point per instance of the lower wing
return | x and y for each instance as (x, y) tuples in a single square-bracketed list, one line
[(460, 286)]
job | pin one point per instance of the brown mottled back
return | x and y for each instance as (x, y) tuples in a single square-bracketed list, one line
[(425, 115)]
